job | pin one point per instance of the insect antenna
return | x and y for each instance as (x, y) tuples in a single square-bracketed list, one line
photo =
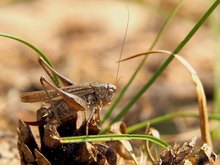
[(123, 44)]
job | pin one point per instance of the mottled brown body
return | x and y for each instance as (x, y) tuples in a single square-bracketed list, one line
[(94, 94), (59, 120)]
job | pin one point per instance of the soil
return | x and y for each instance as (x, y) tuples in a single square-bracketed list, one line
[(83, 39)]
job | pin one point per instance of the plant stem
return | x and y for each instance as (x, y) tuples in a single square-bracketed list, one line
[(113, 137)]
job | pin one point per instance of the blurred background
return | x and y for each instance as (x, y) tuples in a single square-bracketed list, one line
[(83, 39)]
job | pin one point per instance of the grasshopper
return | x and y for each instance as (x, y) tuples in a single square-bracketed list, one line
[(79, 97)]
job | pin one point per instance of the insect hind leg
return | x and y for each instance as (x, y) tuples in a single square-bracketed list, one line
[(73, 101), (50, 72)]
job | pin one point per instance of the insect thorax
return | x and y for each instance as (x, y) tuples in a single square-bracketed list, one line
[(102, 95)]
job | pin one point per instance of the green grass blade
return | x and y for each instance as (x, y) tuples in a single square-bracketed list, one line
[(121, 94), (218, 151), (214, 24), (32, 47), (166, 22), (167, 117), (166, 63), (113, 137)]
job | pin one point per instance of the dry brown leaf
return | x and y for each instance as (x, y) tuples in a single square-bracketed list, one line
[(120, 128)]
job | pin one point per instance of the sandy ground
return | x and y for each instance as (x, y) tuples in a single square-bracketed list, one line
[(84, 39)]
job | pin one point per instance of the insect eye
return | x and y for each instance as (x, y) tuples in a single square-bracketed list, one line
[(111, 88)]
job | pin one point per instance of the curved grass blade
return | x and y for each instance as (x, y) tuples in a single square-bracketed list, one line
[(202, 106), (167, 117), (164, 65), (113, 137), (34, 48), (117, 100)]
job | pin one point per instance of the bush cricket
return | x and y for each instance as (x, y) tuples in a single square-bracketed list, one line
[(92, 94), (78, 97)]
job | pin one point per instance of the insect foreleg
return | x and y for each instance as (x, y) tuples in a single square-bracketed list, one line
[(93, 120)]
